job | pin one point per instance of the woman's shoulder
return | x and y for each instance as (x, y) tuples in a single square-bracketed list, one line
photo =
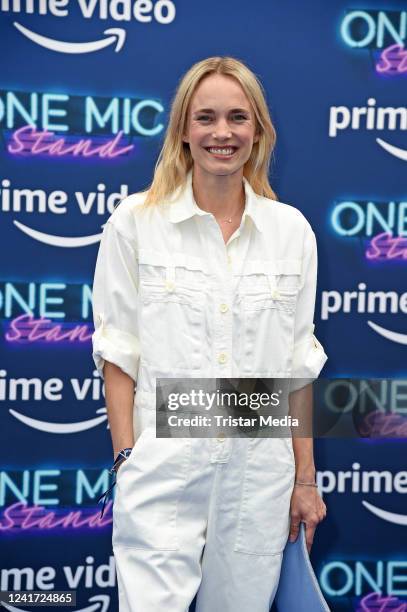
[(287, 214), (129, 204), (124, 215)]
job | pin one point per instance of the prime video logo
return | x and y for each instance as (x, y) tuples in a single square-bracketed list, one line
[(142, 11), (364, 481), (370, 302), (370, 118), (29, 390), (37, 201)]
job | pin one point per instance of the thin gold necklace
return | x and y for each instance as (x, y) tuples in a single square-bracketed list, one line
[(229, 219)]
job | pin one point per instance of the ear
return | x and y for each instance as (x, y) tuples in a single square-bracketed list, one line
[(256, 137)]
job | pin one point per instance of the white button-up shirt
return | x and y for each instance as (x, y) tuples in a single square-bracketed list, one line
[(171, 299)]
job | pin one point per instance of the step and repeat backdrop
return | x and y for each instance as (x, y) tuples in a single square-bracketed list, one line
[(85, 90)]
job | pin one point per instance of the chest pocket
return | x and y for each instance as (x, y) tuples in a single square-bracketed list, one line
[(172, 311), (267, 301)]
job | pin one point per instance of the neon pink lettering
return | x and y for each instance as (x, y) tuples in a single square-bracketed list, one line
[(83, 147)]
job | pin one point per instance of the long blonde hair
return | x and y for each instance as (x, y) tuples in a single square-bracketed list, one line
[(175, 159)]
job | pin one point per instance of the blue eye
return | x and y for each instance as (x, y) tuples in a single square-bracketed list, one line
[(237, 117)]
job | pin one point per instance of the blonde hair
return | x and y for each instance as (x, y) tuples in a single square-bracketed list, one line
[(175, 159)]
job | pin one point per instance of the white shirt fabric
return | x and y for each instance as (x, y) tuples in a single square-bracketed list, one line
[(170, 299)]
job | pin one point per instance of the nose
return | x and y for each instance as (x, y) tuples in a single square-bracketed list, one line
[(222, 130)]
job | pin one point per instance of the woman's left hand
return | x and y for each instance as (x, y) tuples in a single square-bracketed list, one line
[(307, 507)]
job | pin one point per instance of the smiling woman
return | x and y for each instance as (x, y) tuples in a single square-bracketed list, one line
[(206, 117), (206, 275), (223, 132)]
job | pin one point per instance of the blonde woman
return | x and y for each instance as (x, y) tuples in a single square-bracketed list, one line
[(206, 275)]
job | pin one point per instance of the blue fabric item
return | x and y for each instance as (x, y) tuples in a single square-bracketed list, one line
[(298, 587)]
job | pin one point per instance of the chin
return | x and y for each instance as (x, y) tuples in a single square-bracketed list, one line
[(217, 171)]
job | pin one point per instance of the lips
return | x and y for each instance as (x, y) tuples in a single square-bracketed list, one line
[(222, 148), (218, 154)]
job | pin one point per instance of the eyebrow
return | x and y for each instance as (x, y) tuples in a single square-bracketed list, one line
[(233, 110)]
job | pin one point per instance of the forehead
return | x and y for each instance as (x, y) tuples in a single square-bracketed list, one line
[(217, 91)]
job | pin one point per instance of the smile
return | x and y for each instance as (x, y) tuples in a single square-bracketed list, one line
[(221, 151)]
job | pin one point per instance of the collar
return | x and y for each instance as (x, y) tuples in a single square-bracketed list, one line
[(184, 206)]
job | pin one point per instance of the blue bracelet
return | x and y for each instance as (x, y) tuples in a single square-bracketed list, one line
[(122, 454)]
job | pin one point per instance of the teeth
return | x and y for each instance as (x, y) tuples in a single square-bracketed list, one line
[(221, 151)]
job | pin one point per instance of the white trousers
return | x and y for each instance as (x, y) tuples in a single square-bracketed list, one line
[(201, 515)]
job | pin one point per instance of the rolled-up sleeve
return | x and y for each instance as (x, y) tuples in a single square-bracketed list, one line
[(308, 355), (115, 303)]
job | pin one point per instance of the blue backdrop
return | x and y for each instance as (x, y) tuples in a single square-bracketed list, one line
[(85, 92)]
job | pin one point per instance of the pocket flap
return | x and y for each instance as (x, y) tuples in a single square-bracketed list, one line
[(273, 266), (152, 258), (179, 260), (289, 266)]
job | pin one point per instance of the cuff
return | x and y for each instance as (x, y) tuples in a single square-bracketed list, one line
[(308, 360), (118, 347)]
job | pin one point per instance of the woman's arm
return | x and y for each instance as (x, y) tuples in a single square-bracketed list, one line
[(119, 392), (308, 360), (306, 503), (301, 406), (116, 345)]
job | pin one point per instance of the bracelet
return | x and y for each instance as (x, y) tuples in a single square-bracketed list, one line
[(122, 455), (306, 484)]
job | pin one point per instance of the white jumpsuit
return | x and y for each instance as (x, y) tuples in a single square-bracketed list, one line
[(171, 300)]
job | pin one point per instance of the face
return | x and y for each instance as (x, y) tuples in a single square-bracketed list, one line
[(221, 126)]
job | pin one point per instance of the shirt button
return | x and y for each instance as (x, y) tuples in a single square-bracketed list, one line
[(221, 437), (223, 307), (275, 294), (169, 285), (229, 260), (222, 358)]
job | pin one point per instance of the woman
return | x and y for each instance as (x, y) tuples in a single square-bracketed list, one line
[(206, 275)]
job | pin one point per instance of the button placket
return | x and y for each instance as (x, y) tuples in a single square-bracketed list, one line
[(227, 277), (221, 448)]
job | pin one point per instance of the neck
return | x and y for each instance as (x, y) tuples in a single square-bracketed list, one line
[(221, 195)]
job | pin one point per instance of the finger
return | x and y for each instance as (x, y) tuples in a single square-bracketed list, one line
[(294, 528), (309, 534)]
